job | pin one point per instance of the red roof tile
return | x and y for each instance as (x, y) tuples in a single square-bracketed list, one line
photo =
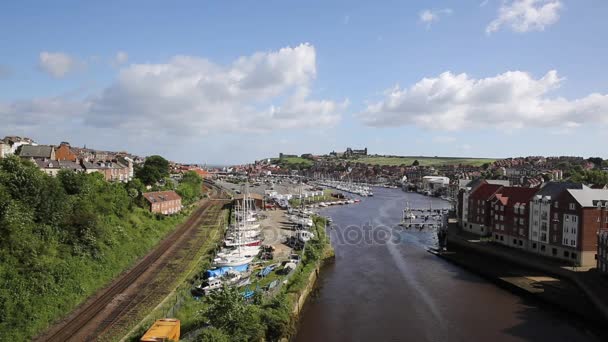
[(485, 191)]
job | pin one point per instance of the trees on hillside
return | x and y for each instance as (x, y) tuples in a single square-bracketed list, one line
[(154, 169), (190, 187)]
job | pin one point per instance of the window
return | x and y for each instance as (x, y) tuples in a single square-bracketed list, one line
[(554, 251), (542, 248), (502, 208), (574, 218), (515, 241), (566, 254), (556, 204), (572, 206), (502, 238), (496, 236), (572, 242), (502, 218), (534, 245), (521, 243)]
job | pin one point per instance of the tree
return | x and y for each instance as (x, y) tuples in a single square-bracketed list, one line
[(597, 161), (211, 334), (155, 168), (190, 187), (227, 311), (416, 163)]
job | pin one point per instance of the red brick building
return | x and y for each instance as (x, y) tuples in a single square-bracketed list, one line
[(478, 209), (163, 202), (64, 152), (509, 215)]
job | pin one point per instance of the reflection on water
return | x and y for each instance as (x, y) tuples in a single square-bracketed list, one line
[(395, 291)]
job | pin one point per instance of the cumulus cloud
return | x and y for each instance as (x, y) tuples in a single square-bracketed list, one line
[(428, 16), (120, 58), (57, 64), (510, 100), (526, 15), (189, 96)]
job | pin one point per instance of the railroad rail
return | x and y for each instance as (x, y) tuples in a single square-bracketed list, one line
[(85, 320)]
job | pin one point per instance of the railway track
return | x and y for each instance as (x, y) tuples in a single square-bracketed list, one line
[(101, 313)]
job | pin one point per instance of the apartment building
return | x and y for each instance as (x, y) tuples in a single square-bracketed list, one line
[(509, 215)]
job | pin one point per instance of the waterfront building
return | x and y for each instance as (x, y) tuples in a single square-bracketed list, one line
[(540, 234), (509, 215), (163, 202), (578, 216), (464, 201), (477, 210)]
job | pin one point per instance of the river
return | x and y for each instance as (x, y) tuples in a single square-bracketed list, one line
[(397, 291)]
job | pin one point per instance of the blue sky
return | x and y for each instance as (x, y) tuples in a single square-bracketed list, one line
[(229, 82)]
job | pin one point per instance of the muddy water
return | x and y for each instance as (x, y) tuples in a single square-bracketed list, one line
[(385, 286)]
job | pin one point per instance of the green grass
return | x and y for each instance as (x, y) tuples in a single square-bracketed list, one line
[(424, 161), (290, 162)]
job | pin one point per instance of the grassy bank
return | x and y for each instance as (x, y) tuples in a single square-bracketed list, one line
[(424, 161), (326, 197)]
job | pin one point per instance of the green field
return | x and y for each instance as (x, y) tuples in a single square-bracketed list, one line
[(424, 161)]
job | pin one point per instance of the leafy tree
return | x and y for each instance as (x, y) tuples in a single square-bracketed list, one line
[(276, 317), (155, 168), (416, 163), (211, 334), (190, 187), (590, 177), (227, 311), (597, 161)]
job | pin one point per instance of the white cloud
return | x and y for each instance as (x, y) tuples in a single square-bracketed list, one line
[(192, 96), (428, 16), (120, 58), (526, 15), (507, 101), (57, 64)]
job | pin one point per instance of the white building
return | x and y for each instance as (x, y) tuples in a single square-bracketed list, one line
[(432, 183)]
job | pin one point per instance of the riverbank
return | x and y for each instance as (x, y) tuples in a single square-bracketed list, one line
[(298, 294), (522, 278)]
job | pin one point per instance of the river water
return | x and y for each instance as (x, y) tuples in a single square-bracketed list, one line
[(379, 290)]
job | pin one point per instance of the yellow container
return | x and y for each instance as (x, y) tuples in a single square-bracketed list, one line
[(163, 330)]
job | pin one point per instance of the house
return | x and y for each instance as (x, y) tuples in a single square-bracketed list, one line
[(476, 213), (52, 167), (10, 144), (37, 152), (163, 202), (509, 215), (64, 152), (112, 171)]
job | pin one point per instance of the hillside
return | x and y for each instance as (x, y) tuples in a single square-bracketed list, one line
[(424, 161)]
